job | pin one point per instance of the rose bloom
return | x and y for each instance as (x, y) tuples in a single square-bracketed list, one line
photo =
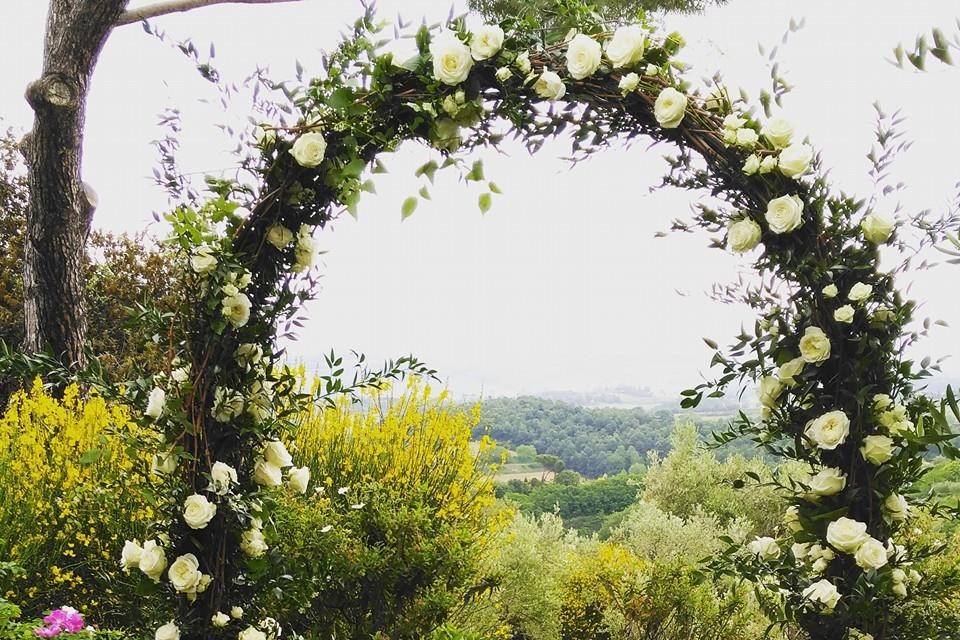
[(252, 633), (829, 430), (185, 573), (669, 108), (896, 507), (279, 236), (198, 511), (275, 452), (765, 548), (222, 476), (625, 47), (583, 56), (236, 309), (747, 138), (844, 314), (220, 619), (859, 292), (203, 260), (299, 479), (795, 160), (871, 554), (156, 403), (784, 214), (267, 474), (778, 132), (752, 164), (845, 534), (791, 518), (152, 560), (877, 227), (743, 235), (486, 42), (549, 86), (169, 631), (452, 59), (309, 149), (828, 481), (628, 83), (877, 449), (830, 291), (814, 345), (824, 592), (789, 370), (769, 390)]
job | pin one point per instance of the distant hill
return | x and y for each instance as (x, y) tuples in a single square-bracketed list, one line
[(593, 441)]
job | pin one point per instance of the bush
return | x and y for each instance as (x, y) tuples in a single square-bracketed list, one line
[(12, 628), (391, 541), (71, 491)]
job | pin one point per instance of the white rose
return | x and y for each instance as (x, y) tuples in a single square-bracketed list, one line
[(452, 59), (814, 345), (236, 613), (628, 83), (486, 42), (800, 550), (583, 56), (877, 228), (828, 481), (309, 149), (846, 535), (769, 390), (625, 47), (830, 291), (299, 479), (198, 511), (860, 292), (829, 430), (236, 309), (252, 543), (743, 235), (768, 164), (306, 250), (184, 573), (844, 314), (778, 132), (765, 548), (503, 74), (784, 214), (789, 370), (279, 236), (877, 449), (267, 474), (732, 122), (747, 138), (156, 403), (896, 507), (130, 555), (795, 160), (169, 631), (222, 476), (824, 592), (181, 374), (882, 402), (152, 560), (670, 107), (203, 260), (791, 518), (899, 589), (275, 452), (549, 86), (252, 633), (523, 63), (871, 554), (220, 619), (752, 165)]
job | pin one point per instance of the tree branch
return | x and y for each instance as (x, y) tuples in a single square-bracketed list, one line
[(179, 6)]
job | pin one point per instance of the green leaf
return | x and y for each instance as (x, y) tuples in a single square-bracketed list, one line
[(476, 171), (91, 456), (424, 193), (485, 201), (428, 169), (408, 207), (494, 188), (340, 99)]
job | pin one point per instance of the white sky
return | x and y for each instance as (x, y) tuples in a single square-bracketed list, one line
[(562, 284)]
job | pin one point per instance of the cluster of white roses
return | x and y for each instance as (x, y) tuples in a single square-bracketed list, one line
[(305, 245), (266, 629)]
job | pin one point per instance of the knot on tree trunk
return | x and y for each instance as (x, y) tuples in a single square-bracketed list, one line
[(54, 90)]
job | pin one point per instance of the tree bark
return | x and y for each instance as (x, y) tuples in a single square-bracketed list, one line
[(61, 208)]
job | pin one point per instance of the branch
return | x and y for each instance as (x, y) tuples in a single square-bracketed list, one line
[(179, 6)]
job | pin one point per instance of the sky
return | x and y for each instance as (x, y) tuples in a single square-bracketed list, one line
[(563, 284)]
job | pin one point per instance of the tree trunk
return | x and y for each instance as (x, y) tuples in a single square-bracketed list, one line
[(61, 208)]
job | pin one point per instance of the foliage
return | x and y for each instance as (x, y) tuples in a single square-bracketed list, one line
[(124, 275), (582, 506), (614, 11), (939, 46), (13, 628), (71, 489), (389, 541)]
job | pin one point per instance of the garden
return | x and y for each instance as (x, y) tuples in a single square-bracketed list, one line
[(169, 472)]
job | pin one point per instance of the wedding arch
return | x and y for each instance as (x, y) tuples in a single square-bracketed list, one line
[(826, 353)]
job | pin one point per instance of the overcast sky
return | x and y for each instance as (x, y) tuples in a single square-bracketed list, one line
[(562, 285)]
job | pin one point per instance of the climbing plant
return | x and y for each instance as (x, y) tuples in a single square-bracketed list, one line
[(827, 351)]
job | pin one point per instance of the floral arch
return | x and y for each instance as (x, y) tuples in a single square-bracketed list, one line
[(826, 352)]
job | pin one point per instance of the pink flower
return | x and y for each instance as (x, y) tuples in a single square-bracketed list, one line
[(63, 619)]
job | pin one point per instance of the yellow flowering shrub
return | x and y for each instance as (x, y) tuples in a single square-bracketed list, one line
[(71, 490)]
